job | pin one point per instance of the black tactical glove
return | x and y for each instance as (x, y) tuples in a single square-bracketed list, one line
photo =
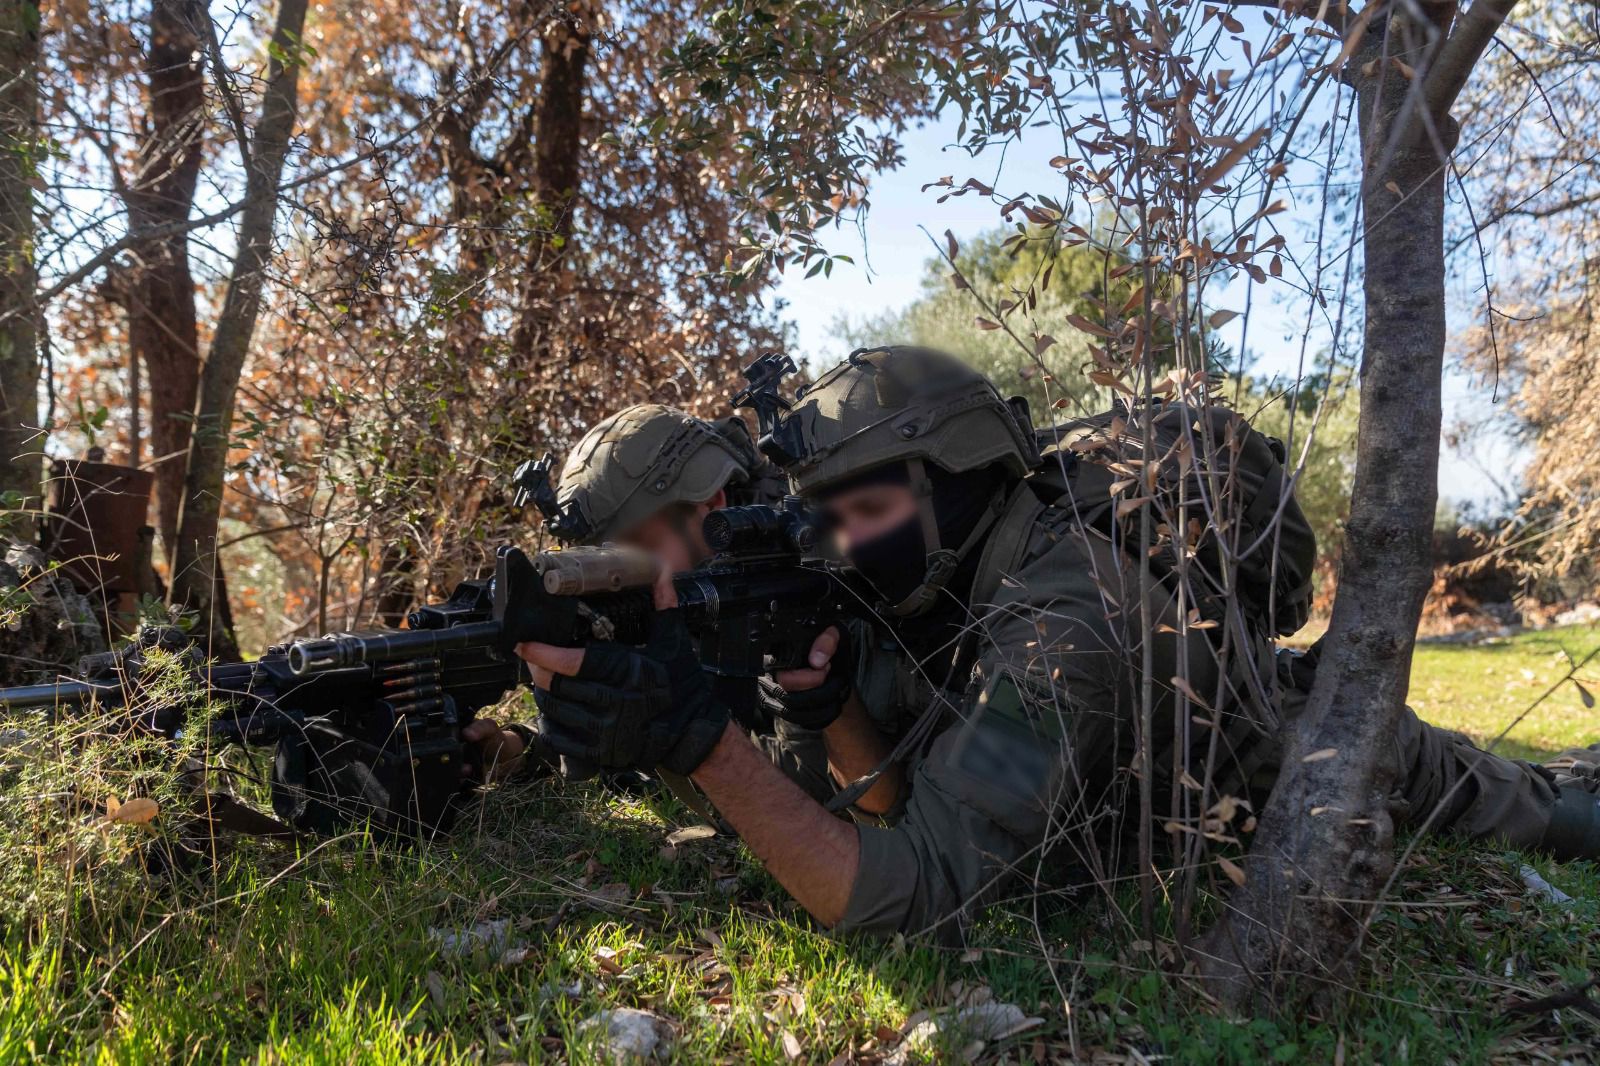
[(638, 708), (819, 707)]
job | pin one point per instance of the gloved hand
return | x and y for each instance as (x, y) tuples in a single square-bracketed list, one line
[(616, 706), (812, 698)]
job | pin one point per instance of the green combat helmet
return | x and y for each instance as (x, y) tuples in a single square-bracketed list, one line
[(898, 403), (648, 457)]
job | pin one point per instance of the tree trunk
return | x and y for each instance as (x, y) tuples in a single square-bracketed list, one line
[(195, 570), (21, 438), (1325, 841), (558, 154), (158, 290), (396, 584)]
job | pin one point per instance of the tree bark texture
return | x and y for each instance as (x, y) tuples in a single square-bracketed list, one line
[(1325, 841), (157, 290), (557, 159), (195, 569), (21, 438)]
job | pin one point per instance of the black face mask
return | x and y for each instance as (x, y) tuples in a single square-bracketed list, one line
[(893, 562), (896, 562)]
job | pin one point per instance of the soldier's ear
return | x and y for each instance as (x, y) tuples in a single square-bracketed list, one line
[(718, 500)]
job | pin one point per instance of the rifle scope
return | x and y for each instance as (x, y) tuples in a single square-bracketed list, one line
[(761, 530)]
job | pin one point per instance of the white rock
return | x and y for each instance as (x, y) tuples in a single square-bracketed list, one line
[(626, 1033), (492, 936), (963, 1026), (1540, 887)]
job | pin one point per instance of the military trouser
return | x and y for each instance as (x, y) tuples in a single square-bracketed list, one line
[(1444, 782)]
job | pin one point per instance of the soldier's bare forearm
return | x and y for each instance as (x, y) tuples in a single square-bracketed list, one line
[(813, 854), (855, 748)]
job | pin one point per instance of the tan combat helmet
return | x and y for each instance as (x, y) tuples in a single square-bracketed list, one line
[(647, 457), (910, 404)]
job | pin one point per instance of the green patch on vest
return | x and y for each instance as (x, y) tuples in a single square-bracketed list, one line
[(1024, 701)]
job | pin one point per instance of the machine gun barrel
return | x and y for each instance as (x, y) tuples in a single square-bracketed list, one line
[(353, 649), (28, 697)]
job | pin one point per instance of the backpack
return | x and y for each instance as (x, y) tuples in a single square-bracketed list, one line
[(1230, 498)]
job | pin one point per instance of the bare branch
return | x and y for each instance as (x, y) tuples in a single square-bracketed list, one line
[(1460, 52)]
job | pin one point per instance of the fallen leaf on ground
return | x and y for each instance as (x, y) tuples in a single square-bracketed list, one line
[(690, 833)]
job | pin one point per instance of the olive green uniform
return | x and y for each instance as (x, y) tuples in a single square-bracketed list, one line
[(1031, 759)]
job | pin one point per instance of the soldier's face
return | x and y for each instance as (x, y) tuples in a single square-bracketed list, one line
[(863, 514), (673, 534)]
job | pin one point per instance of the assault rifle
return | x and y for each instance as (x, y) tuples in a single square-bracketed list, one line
[(366, 726)]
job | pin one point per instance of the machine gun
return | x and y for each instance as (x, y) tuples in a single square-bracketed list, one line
[(365, 744), (367, 725)]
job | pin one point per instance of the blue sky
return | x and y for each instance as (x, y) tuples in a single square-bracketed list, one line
[(891, 251)]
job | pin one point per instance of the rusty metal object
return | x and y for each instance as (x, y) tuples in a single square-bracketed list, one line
[(96, 513)]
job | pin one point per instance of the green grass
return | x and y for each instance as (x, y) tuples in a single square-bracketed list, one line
[(1480, 689), (323, 954)]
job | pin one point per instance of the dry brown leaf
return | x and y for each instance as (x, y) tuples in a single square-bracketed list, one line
[(1319, 756), (141, 810), (1081, 323), (690, 833), (1231, 158), (1219, 319), (1183, 686), (1231, 868), (791, 1046)]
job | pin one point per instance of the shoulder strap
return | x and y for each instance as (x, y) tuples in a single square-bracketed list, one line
[(1004, 552)]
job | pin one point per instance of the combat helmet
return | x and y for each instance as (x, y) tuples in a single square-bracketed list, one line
[(644, 458), (901, 403)]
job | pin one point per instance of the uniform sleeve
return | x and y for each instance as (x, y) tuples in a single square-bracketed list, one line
[(800, 755), (987, 799)]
